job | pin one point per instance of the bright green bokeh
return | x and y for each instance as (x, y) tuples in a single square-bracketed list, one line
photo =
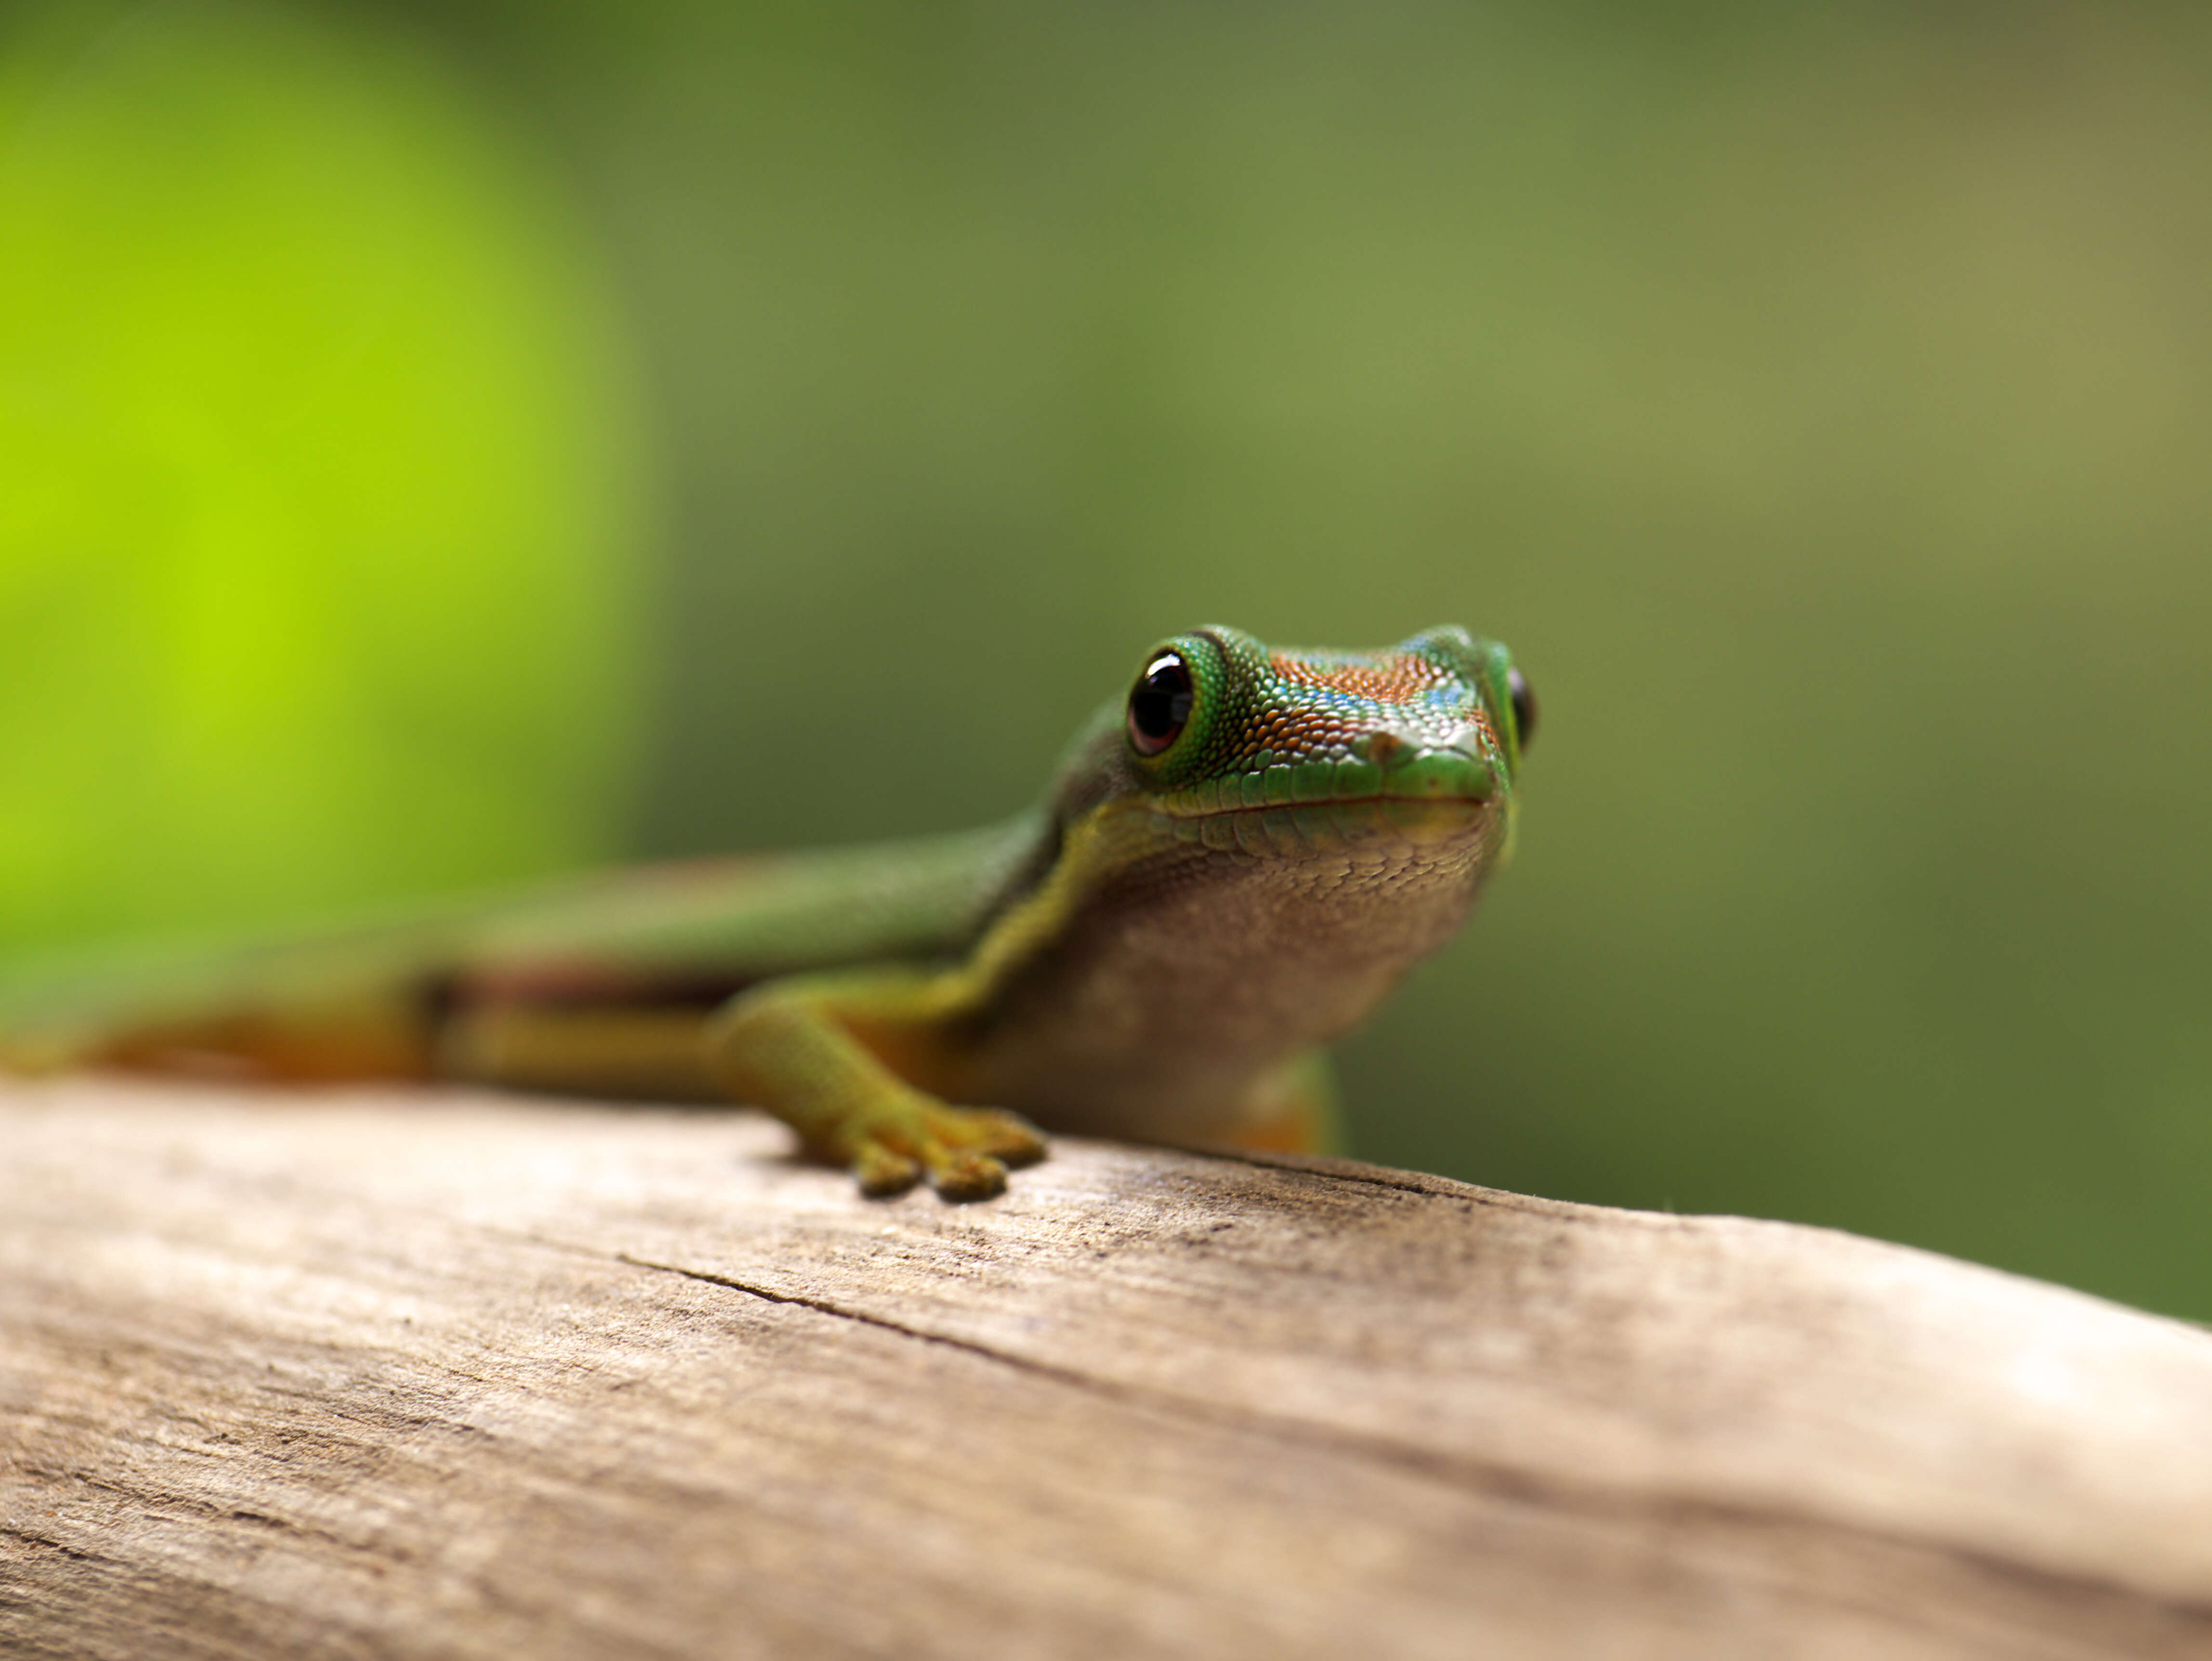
[(316, 517)]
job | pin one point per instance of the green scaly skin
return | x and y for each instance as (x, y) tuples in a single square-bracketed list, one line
[(1210, 892)]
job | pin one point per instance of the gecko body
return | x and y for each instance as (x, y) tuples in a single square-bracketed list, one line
[(1234, 863)]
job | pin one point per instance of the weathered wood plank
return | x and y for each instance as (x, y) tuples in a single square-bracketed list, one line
[(452, 1375)]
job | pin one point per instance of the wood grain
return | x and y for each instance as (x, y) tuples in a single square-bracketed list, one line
[(460, 1375)]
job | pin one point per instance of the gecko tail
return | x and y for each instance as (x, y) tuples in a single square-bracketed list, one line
[(322, 1046), (291, 1014), (584, 982)]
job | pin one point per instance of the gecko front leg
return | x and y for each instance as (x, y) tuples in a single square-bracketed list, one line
[(811, 1051)]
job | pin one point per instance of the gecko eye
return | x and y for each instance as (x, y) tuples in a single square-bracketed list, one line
[(1524, 706), (1159, 703)]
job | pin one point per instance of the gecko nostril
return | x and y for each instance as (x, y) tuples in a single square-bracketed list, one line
[(1382, 748)]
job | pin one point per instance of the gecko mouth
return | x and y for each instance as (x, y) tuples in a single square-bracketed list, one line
[(1357, 804), (1431, 799), (1304, 830), (1440, 778)]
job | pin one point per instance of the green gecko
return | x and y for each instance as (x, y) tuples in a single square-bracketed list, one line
[(1233, 866)]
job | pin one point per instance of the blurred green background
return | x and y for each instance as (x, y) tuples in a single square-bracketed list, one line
[(442, 442)]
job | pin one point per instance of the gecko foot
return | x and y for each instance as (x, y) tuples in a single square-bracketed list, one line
[(962, 1151)]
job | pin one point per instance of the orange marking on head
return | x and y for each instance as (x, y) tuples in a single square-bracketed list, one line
[(1391, 680)]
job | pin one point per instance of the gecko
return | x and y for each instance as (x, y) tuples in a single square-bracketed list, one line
[(1234, 864)]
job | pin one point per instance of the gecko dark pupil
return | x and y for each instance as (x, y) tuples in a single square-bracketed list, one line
[(1160, 703), (1524, 706)]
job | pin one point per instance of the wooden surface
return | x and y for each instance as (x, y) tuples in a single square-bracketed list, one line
[(467, 1376)]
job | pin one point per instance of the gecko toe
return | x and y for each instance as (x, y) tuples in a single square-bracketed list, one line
[(965, 1177), (882, 1174), (1008, 1137), (1005, 1136), (964, 1150)]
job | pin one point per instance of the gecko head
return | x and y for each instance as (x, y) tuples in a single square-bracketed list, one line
[(1251, 846), (1241, 746)]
